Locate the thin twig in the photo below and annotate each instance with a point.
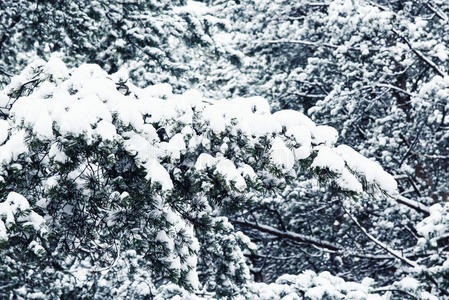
(420, 55)
(379, 243)
(290, 235)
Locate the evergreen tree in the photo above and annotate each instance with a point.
(157, 41)
(116, 181)
(118, 191)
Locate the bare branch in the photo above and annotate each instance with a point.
(317, 4)
(393, 252)
(440, 14)
(420, 55)
(2, 70)
(317, 44)
(310, 95)
(413, 204)
(117, 248)
(291, 235)
(300, 42)
(395, 88)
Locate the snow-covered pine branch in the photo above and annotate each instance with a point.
(148, 171)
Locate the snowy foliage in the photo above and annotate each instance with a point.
(205, 149)
(130, 174)
(158, 41)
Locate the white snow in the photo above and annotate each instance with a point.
(32, 112)
(34, 220)
(56, 67)
(408, 284)
(3, 233)
(251, 114)
(192, 278)
(163, 237)
(204, 161)
(175, 147)
(371, 170)
(313, 286)
(158, 90)
(14, 204)
(105, 130)
(281, 155)
(324, 134)
(227, 169)
(37, 249)
(302, 136)
(435, 226)
(192, 7)
(4, 128)
(157, 173)
(328, 158)
(56, 154)
(349, 182)
(247, 172)
(13, 147)
(289, 118)
(224, 167)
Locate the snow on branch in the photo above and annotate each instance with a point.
(290, 235)
(420, 55)
(394, 253)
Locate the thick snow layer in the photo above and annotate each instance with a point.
(247, 172)
(192, 278)
(105, 130)
(301, 134)
(158, 90)
(157, 173)
(14, 204)
(224, 167)
(324, 135)
(259, 125)
(3, 232)
(87, 104)
(164, 238)
(25, 110)
(289, 118)
(303, 138)
(227, 169)
(281, 155)
(371, 170)
(330, 159)
(435, 226)
(347, 181)
(56, 68)
(313, 286)
(204, 161)
(251, 114)
(230, 141)
(193, 7)
(13, 147)
(175, 147)
(408, 284)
